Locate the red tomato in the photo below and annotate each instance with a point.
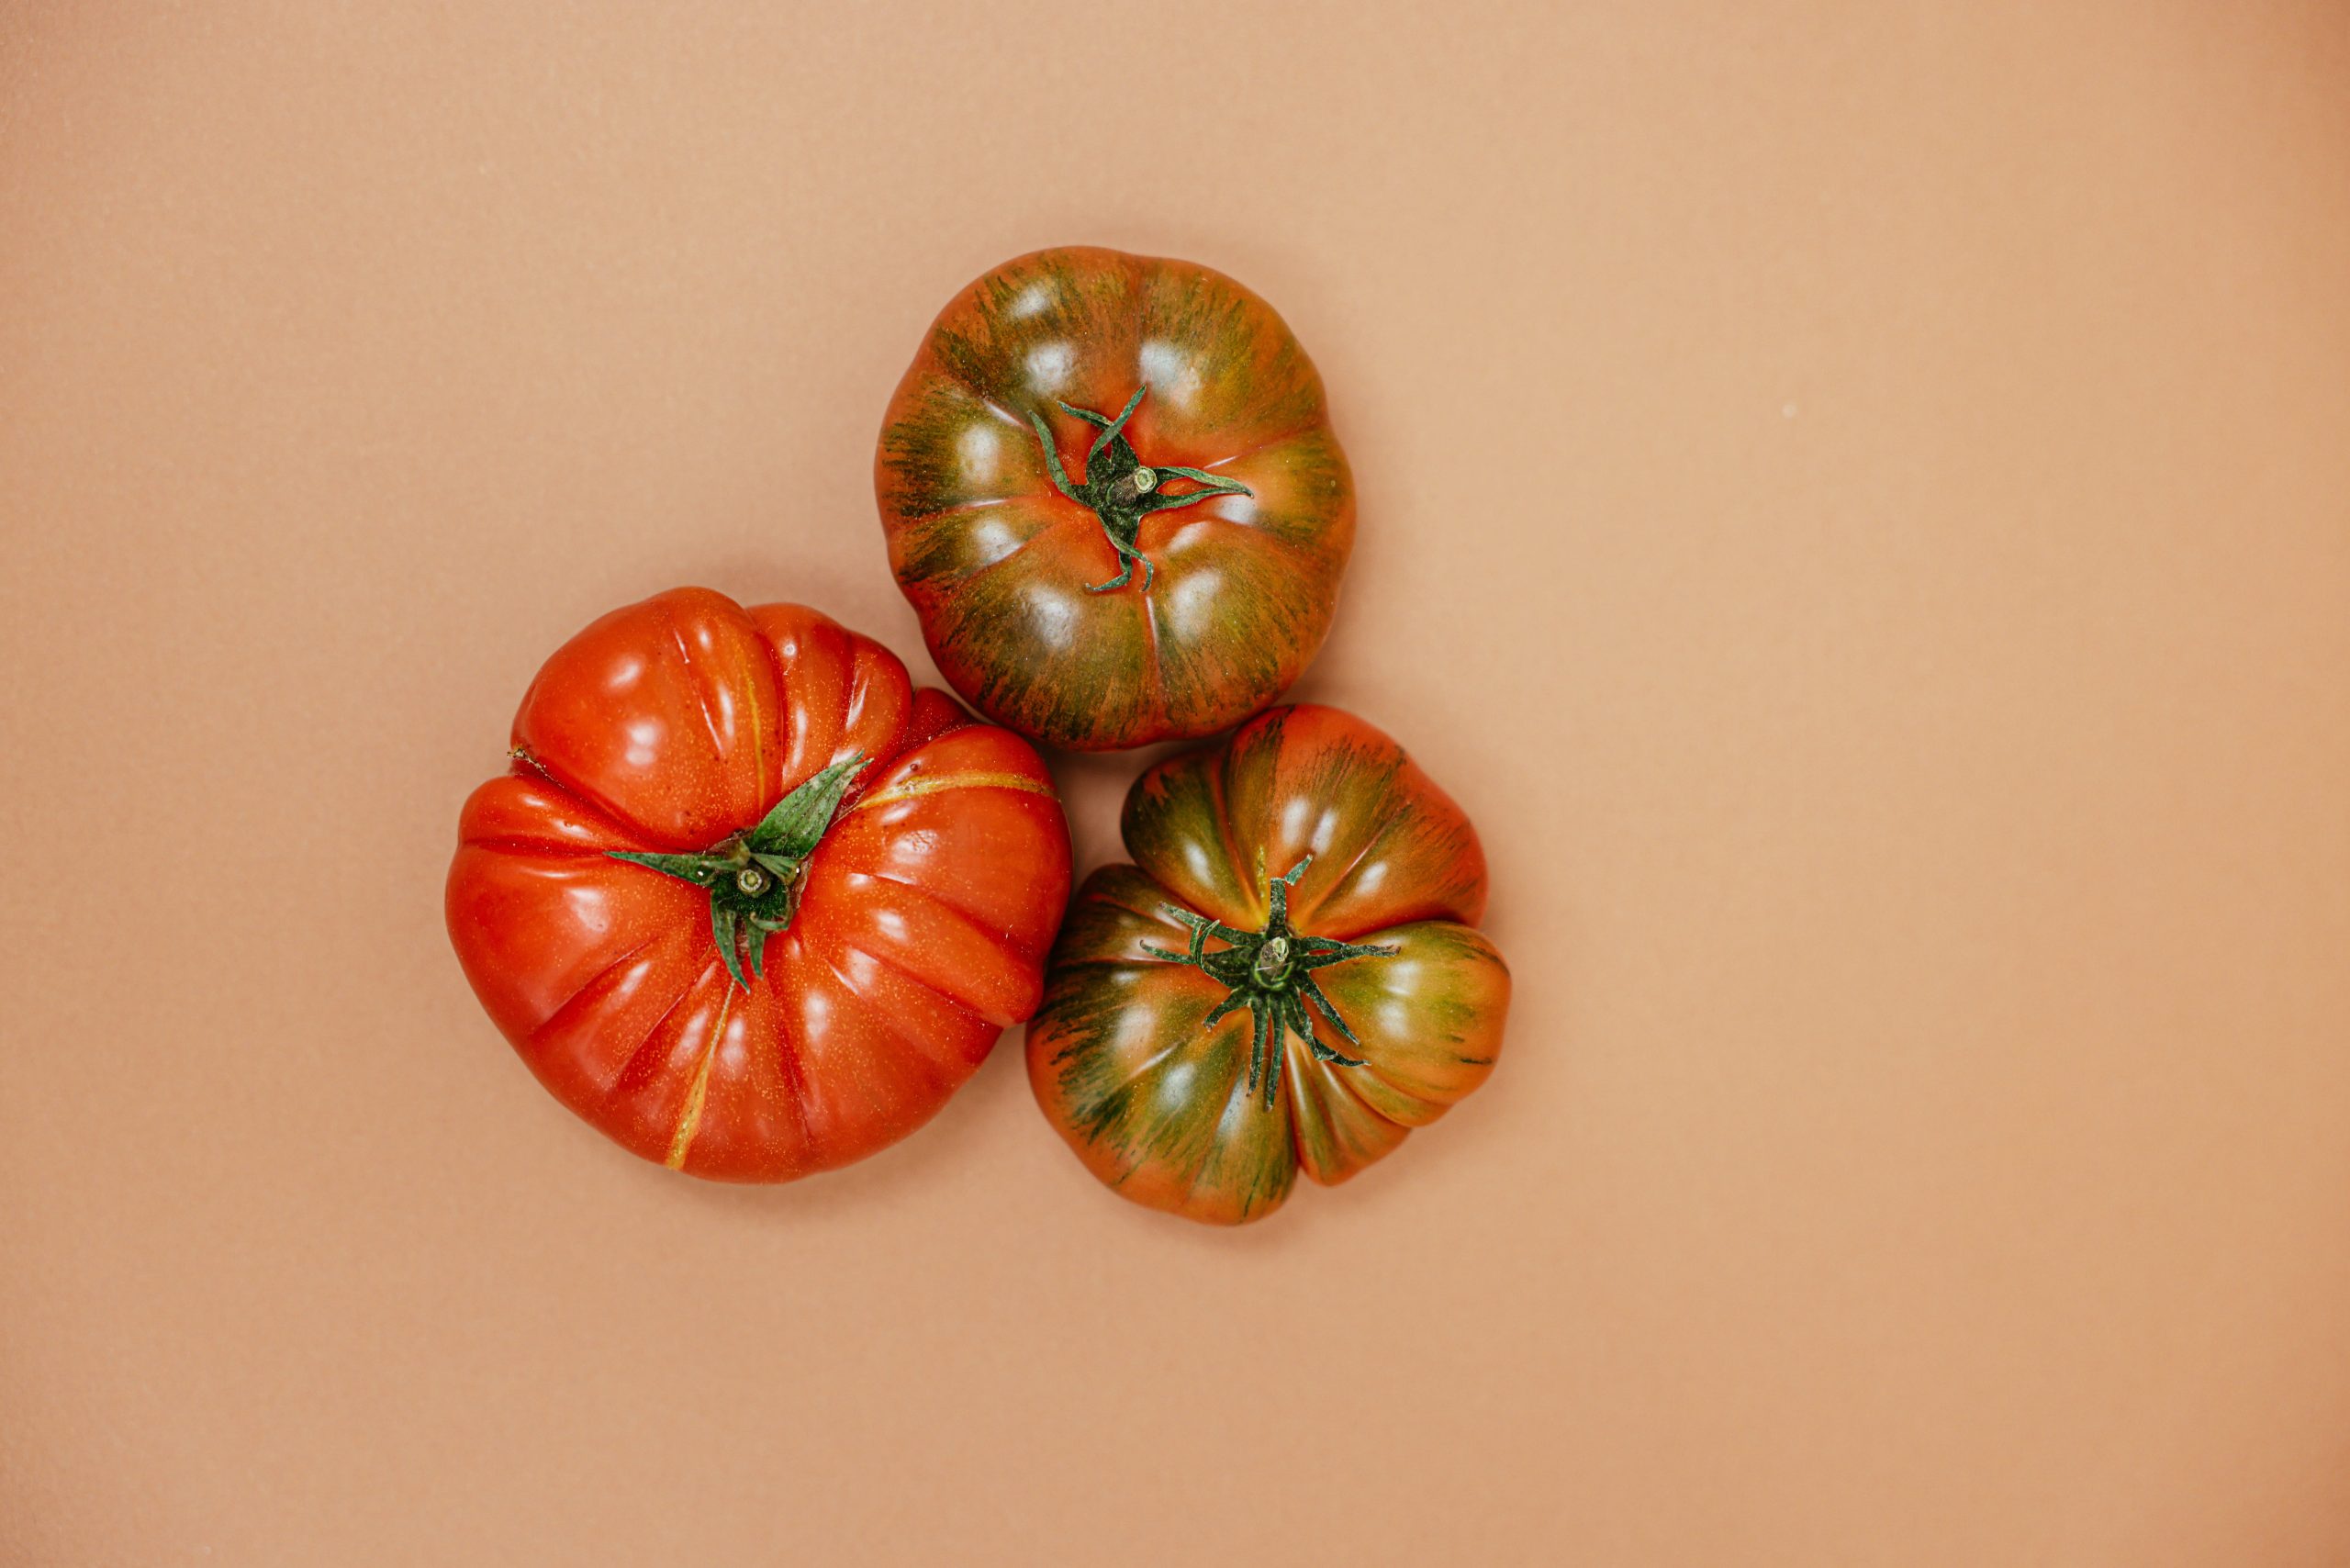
(747, 903)
(1288, 977)
(1112, 494)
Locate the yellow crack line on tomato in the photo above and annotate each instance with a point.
(758, 720)
(689, 1119)
(913, 789)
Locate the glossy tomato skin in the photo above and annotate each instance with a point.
(928, 909)
(998, 563)
(1157, 1103)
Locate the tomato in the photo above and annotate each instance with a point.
(1288, 977)
(746, 901)
(1112, 496)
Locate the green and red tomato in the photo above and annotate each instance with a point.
(1112, 495)
(1287, 977)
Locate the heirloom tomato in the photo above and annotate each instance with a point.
(1288, 977)
(746, 901)
(1112, 496)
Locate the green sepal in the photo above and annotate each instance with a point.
(694, 869)
(1222, 486)
(722, 928)
(1313, 993)
(793, 829)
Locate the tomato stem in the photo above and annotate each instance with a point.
(1120, 488)
(1271, 973)
(754, 878)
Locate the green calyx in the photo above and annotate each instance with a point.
(1121, 488)
(754, 877)
(1270, 972)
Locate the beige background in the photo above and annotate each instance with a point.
(1855, 500)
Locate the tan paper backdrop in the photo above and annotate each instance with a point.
(1855, 501)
